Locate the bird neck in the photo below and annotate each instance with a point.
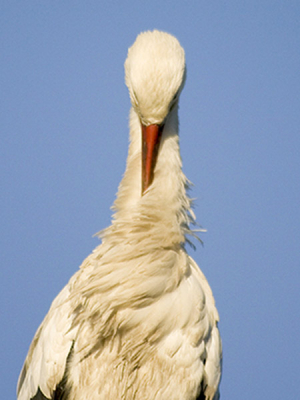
(161, 216)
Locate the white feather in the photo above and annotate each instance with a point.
(138, 320)
(46, 360)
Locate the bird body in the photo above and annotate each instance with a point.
(138, 320)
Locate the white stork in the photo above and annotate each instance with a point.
(138, 320)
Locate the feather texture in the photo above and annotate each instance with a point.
(138, 320)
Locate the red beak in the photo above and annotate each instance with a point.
(151, 136)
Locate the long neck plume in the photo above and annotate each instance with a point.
(163, 214)
(143, 248)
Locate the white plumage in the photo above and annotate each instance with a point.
(138, 320)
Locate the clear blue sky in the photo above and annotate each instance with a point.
(63, 144)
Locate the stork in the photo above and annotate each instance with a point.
(138, 320)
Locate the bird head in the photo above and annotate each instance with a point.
(154, 74)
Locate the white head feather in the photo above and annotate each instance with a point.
(154, 74)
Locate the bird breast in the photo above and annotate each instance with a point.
(152, 330)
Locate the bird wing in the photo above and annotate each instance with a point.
(213, 361)
(45, 365)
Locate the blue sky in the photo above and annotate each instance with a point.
(63, 144)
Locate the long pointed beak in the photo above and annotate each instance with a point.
(151, 136)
